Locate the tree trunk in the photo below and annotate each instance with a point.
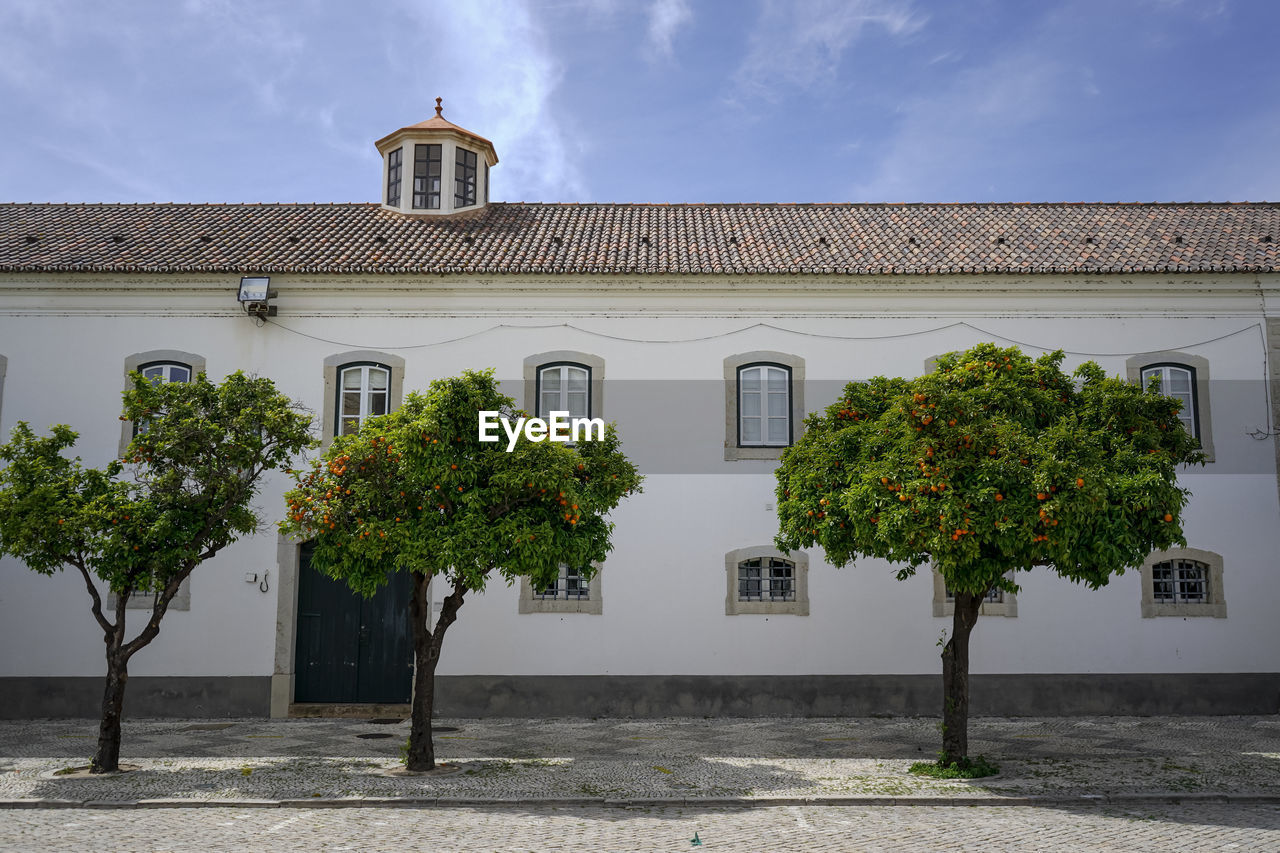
(426, 654)
(955, 679)
(422, 751)
(107, 758)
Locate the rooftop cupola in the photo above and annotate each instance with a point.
(435, 168)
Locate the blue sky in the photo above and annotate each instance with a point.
(647, 100)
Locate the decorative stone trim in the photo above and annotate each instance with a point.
(593, 605)
(732, 452)
(734, 607)
(563, 356)
(1204, 420)
(134, 362)
(1007, 606)
(1215, 604)
(395, 389)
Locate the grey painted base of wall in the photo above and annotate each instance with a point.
(1141, 694)
(145, 696)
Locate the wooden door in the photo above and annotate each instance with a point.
(351, 648)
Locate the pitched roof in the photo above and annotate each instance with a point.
(680, 239)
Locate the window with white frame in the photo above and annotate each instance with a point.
(358, 385)
(764, 404)
(1179, 382)
(166, 372)
(364, 393)
(1185, 377)
(762, 580)
(162, 372)
(162, 365)
(564, 388)
(1183, 582)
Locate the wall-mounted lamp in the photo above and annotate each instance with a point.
(255, 293)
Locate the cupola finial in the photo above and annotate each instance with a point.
(439, 109)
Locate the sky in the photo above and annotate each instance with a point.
(646, 100)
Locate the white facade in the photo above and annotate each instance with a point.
(663, 342)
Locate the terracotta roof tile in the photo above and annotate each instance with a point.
(683, 239)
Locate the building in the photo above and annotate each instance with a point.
(679, 322)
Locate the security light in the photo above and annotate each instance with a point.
(254, 288)
(255, 292)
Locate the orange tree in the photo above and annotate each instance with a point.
(416, 491)
(990, 465)
(141, 526)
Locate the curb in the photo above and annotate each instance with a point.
(652, 802)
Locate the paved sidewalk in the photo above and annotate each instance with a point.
(712, 762)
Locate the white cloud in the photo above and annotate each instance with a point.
(494, 67)
(666, 17)
(797, 43)
(971, 127)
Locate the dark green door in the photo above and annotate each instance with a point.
(351, 648)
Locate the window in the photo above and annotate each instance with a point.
(762, 580)
(393, 177)
(426, 177)
(1184, 377)
(364, 392)
(764, 411)
(764, 404)
(166, 372)
(162, 372)
(158, 366)
(996, 603)
(1179, 382)
(564, 388)
(1183, 582)
(571, 585)
(486, 181)
(569, 593)
(766, 579)
(357, 386)
(464, 179)
(564, 381)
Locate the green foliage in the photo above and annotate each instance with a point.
(182, 492)
(416, 490)
(991, 463)
(967, 768)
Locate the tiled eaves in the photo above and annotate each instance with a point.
(647, 239)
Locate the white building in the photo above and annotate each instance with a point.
(656, 317)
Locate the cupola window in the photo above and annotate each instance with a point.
(393, 177)
(464, 178)
(426, 177)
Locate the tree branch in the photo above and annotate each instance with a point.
(78, 562)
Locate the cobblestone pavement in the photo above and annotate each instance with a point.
(809, 828)
(1120, 759)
